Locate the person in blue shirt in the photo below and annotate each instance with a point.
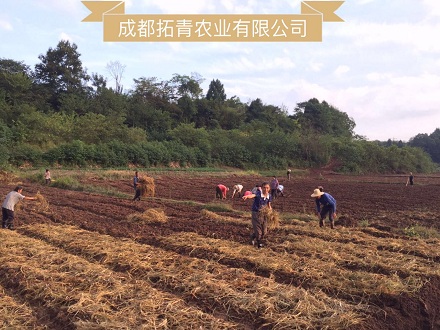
(328, 206)
(135, 180)
(262, 199)
(136, 186)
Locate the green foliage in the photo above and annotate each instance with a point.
(364, 223)
(187, 86)
(5, 134)
(44, 130)
(24, 154)
(67, 182)
(4, 155)
(421, 232)
(61, 73)
(429, 143)
(15, 82)
(316, 149)
(188, 135)
(216, 91)
(59, 115)
(324, 118)
(218, 207)
(96, 128)
(227, 149)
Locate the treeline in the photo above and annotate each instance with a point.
(57, 113)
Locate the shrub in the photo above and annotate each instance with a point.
(24, 153)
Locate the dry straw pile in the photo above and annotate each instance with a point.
(272, 217)
(42, 205)
(146, 186)
(148, 216)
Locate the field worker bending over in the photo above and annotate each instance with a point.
(262, 199)
(8, 206)
(237, 190)
(280, 190)
(220, 191)
(328, 206)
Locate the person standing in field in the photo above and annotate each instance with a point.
(256, 188)
(47, 177)
(136, 186)
(8, 206)
(274, 187)
(135, 180)
(237, 190)
(289, 173)
(262, 199)
(220, 191)
(410, 179)
(328, 206)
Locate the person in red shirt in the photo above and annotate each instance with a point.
(220, 191)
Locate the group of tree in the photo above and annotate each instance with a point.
(58, 113)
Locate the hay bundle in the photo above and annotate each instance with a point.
(211, 215)
(146, 186)
(42, 205)
(148, 216)
(272, 217)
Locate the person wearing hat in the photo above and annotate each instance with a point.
(8, 206)
(328, 206)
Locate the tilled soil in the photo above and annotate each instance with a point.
(381, 203)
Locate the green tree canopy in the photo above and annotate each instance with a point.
(216, 91)
(61, 72)
(324, 118)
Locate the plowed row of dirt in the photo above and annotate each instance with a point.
(365, 274)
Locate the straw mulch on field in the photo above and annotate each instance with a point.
(236, 292)
(148, 216)
(86, 295)
(16, 314)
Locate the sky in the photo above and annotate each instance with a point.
(381, 65)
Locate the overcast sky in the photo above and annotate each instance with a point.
(381, 66)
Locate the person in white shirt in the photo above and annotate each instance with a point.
(237, 190)
(280, 190)
(8, 206)
(47, 177)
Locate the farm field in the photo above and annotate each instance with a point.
(84, 264)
